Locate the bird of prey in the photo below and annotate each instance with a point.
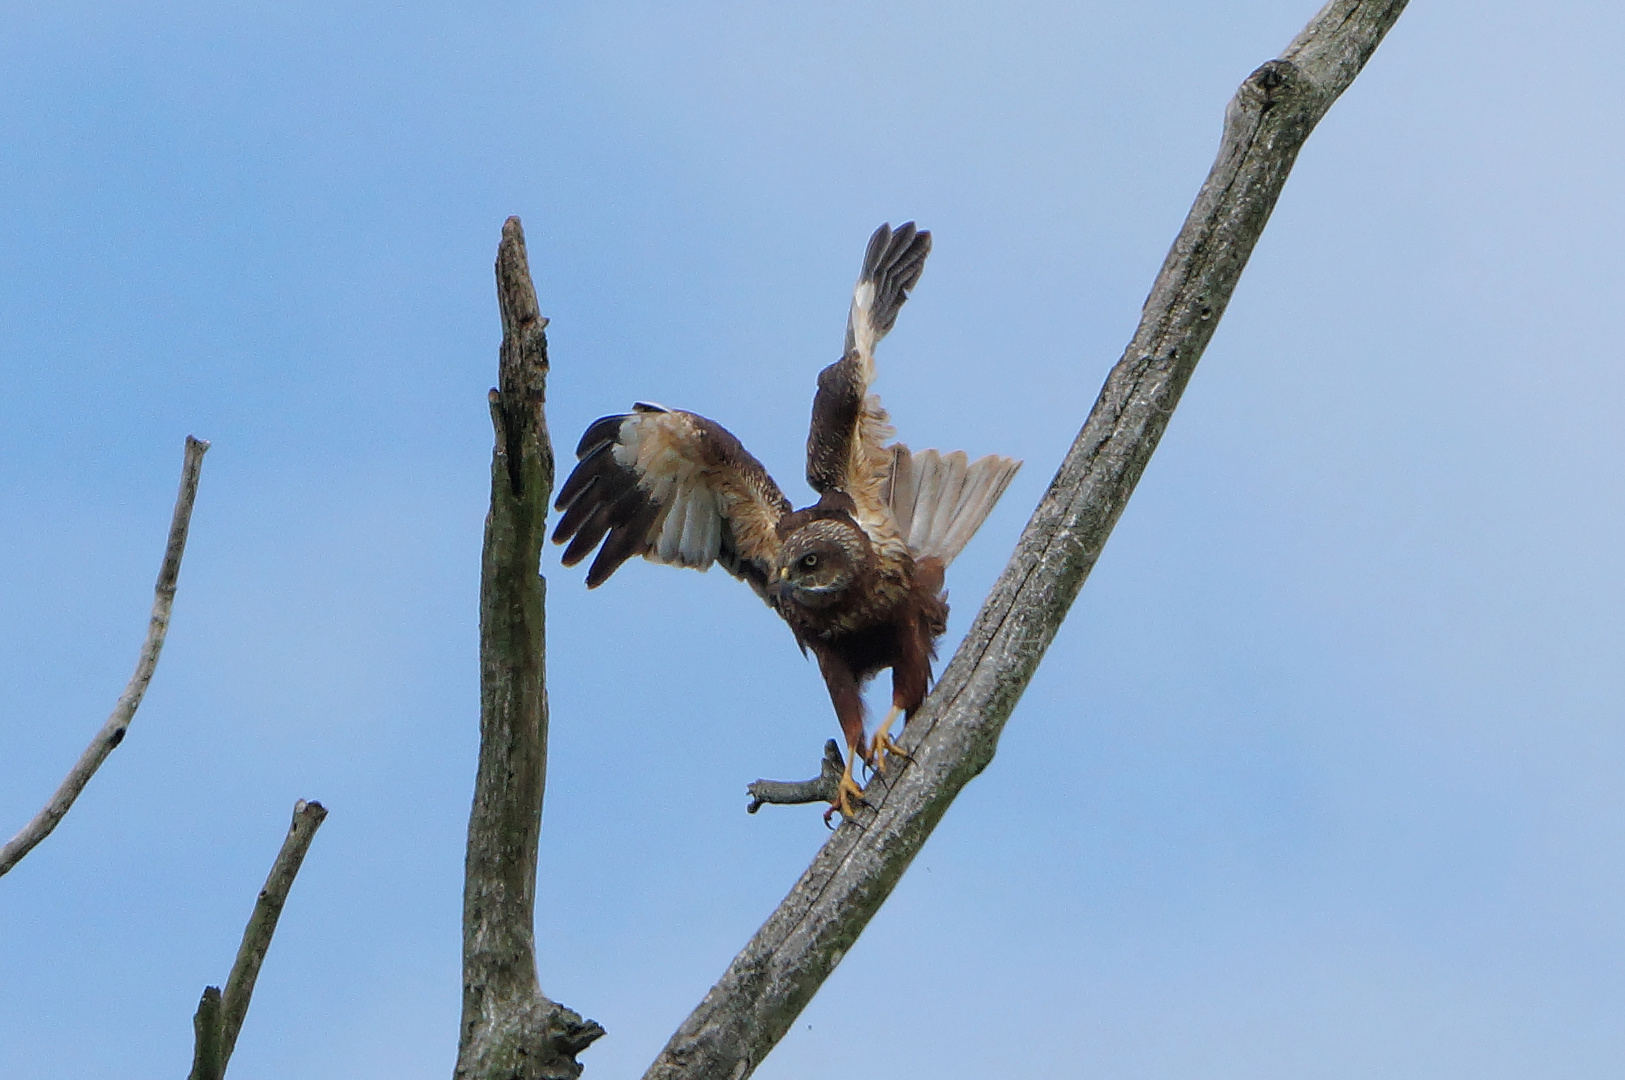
(858, 575)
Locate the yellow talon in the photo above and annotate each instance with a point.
(847, 794)
(883, 746)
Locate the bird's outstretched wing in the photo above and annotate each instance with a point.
(673, 487)
(846, 449)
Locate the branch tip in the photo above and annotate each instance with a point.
(117, 725)
(308, 816)
(207, 1063)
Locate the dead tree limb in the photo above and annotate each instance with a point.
(245, 970)
(220, 1014)
(510, 1029)
(821, 788)
(206, 1061)
(112, 732)
(954, 736)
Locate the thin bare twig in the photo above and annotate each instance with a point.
(112, 732)
(220, 1015)
(510, 1029)
(307, 818)
(954, 735)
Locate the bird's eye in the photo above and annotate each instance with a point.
(809, 561)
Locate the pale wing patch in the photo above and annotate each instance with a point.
(898, 491)
(870, 461)
(662, 449)
(940, 500)
(862, 329)
(692, 533)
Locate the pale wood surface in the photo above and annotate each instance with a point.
(118, 723)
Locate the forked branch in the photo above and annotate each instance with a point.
(821, 788)
(112, 732)
(220, 1014)
(954, 735)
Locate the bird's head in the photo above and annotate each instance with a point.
(819, 562)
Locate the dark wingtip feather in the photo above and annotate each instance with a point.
(586, 538)
(894, 261)
(575, 514)
(603, 431)
(584, 474)
(878, 240)
(628, 538)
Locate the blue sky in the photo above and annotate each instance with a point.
(1320, 778)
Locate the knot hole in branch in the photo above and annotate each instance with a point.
(1272, 83)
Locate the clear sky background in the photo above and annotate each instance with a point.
(1324, 776)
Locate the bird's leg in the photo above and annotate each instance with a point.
(848, 702)
(847, 794)
(883, 745)
(911, 670)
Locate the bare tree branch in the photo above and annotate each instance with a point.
(207, 1063)
(112, 732)
(821, 788)
(219, 1016)
(307, 818)
(510, 1029)
(955, 734)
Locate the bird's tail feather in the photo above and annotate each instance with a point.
(940, 500)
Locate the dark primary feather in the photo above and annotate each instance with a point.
(613, 498)
(585, 475)
(628, 537)
(894, 261)
(600, 433)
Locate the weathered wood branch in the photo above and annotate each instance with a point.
(112, 732)
(821, 788)
(245, 970)
(510, 1029)
(220, 1015)
(207, 1063)
(954, 735)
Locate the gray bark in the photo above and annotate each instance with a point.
(245, 970)
(954, 735)
(206, 1060)
(219, 1016)
(510, 1029)
(113, 731)
(821, 788)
